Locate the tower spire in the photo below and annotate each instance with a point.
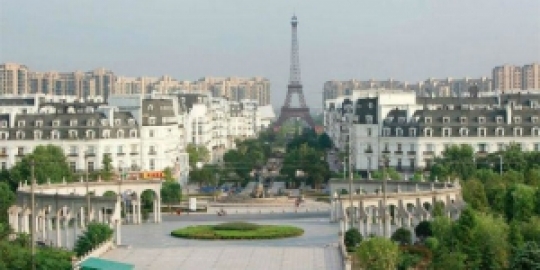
(294, 76)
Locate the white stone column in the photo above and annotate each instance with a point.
(155, 212)
(66, 232)
(58, 235)
(139, 205)
(43, 226)
(361, 226)
(369, 220)
(332, 210)
(26, 223)
(133, 213)
(15, 222)
(159, 210)
(379, 226)
(83, 217)
(387, 223)
(118, 232)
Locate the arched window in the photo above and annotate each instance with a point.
(463, 132)
(150, 107)
(106, 134)
(55, 135)
(90, 134)
(73, 134)
(20, 135)
(428, 132)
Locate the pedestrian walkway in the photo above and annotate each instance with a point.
(151, 247)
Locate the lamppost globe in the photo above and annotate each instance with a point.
(199, 165)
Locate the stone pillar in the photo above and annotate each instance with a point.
(118, 225)
(83, 217)
(26, 223)
(332, 210)
(159, 210)
(66, 232)
(15, 222)
(139, 205)
(100, 216)
(361, 226)
(379, 226)
(43, 226)
(387, 224)
(155, 210)
(133, 213)
(58, 236)
(369, 220)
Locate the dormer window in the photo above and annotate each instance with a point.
(20, 123)
(133, 133)
(104, 122)
(90, 134)
(73, 134)
(369, 119)
(37, 134)
(131, 122)
(428, 132)
(447, 132)
(106, 134)
(150, 107)
(535, 131)
(120, 134)
(55, 135)
(19, 135)
(399, 132)
(412, 132)
(117, 122)
(463, 132)
(56, 123)
(39, 123)
(3, 124)
(517, 119)
(518, 132)
(73, 123)
(427, 120)
(499, 119)
(386, 132)
(534, 119)
(499, 131)
(402, 120)
(463, 119)
(446, 119)
(481, 119)
(90, 122)
(151, 120)
(4, 135)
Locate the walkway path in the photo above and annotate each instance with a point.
(153, 248)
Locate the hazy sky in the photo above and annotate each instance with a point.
(405, 40)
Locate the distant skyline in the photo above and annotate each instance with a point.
(340, 40)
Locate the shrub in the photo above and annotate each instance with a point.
(352, 239)
(95, 234)
(237, 230)
(236, 226)
(402, 236)
(432, 243)
(423, 229)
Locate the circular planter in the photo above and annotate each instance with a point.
(237, 231)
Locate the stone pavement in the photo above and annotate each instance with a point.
(151, 247)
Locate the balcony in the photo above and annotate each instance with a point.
(4, 154)
(411, 153)
(399, 152)
(134, 153)
(368, 151)
(386, 151)
(152, 152)
(89, 154)
(73, 154)
(428, 153)
(482, 153)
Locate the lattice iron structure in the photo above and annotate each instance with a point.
(295, 86)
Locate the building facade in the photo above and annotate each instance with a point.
(13, 79)
(510, 78)
(399, 129)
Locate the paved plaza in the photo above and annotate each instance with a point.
(151, 246)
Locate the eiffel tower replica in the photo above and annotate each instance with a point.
(294, 87)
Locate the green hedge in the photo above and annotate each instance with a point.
(236, 231)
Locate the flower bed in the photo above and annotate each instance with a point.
(237, 231)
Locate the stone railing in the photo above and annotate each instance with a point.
(96, 252)
(342, 249)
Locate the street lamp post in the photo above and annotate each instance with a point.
(500, 164)
(351, 206)
(33, 221)
(87, 190)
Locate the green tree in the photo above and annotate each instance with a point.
(95, 234)
(450, 261)
(168, 175)
(496, 194)
(171, 193)
(464, 233)
(402, 236)
(378, 253)
(107, 170)
(532, 177)
(491, 241)
(352, 239)
(7, 198)
(197, 154)
(423, 229)
(50, 163)
(474, 194)
(520, 202)
(456, 161)
(526, 257)
(386, 173)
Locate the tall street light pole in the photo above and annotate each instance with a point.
(500, 164)
(87, 190)
(33, 221)
(351, 128)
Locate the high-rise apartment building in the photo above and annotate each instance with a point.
(99, 82)
(507, 78)
(531, 76)
(13, 79)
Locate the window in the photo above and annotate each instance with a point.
(399, 163)
(447, 132)
(106, 134)
(120, 149)
(20, 123)
(55, 135)
(412, 147)
(133, 133)
(464, 132)
(518, 132)
(481, 132)
(90, 166)
(369, 119)
(429, 147)
(481, 119)
(3, 124)
(534, 119)
(427, 120)
(151, 120)
(151, 133)
(428, 132)
(399, 147)
(73, 134)
(20, 135)
(73, 123)
(150, 107)
(537, 147)
(73, 166)
(535, 131)
(120, 134)
(499, 119)
(412, 132)
(399, 132)
(20, 151)
(446, 119)
(500, 147)
(117, 122)
(56, 123)
(386, 146)
(39, 123)
(386, 132)
(131, 122)
(152, 149)
(90, 122)
(499, 131)
(91, 149)
(37, 134)
(3, 151)
(482, 147)
(517, 119)
(73, 150)
(4, 135)
(152, 164)
(463, 119)
(90, 134)
(4, 166)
